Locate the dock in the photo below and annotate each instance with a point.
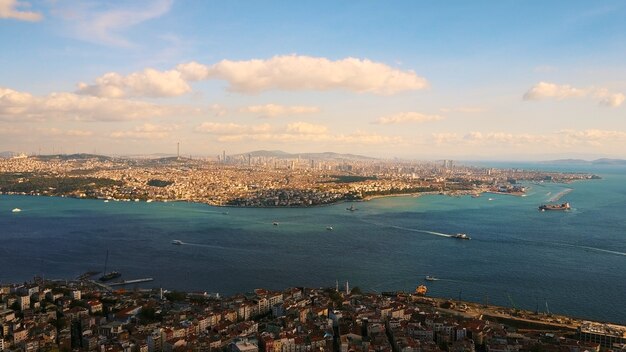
(128, 282)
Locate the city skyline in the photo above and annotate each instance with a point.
(485, 80)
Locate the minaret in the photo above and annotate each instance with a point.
(337, 285)
(347, 288)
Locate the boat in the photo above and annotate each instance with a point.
(352, 208)
(329, 228)
(490, 199)
(106, 200)
(16, 210)
(431, 278)
(110, 275)
(275, 223)
(476, 195)
(564, 206)
(177, 242)
(461, 236)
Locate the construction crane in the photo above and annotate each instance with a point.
(512, 303)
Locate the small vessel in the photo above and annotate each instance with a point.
(177, 242)
(224, 213)
(110, 275)
(149, 201)
(431, 278)
(490, 199)
(461, 236)
(329, 228)
(352, 208)
(476, 195)
(564, 206)
(16, 210)
(106, 200)
(275, 223)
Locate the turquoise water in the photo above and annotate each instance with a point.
(575, 261)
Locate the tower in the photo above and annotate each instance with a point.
(347, 288)
(177, 150)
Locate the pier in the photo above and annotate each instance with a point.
(128, 282)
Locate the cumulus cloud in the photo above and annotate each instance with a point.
(306, 128)
(193, 71)
(145, 131)
(559, 140)
(64, 133)
(289, 73)
(294, 72)
(21, 106)
(545, 90)
(274, 110)
(404, 117)
(10, 9)
(297, 132)
(232, 128)
(147, 83)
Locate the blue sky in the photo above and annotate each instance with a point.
(412, 79)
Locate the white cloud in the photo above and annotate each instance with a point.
(274, 110)
(145, 131)
(9, 9)
(193, 71)
(297, 132)
(560, 140)
(464, 109)
(21, 106)
(404, 117)
(306, 128)
(232, 128)
(289, 73)
(64, 133)
(545, 90)
(148, 83)
(104, 22)
(612, 100)
(294, 72)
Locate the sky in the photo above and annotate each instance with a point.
(479, 80)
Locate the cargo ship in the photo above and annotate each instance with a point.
(564, 206)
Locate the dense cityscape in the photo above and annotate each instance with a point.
(85, 315)
(256, 182)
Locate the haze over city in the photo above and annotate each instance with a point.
(480, 80)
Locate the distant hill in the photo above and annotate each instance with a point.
(602, 161)
(279, 154)
(80, 156)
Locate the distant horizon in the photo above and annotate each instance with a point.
(501, 80)
(408, 159)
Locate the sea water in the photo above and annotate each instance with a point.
(570, 262)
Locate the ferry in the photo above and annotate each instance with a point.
(431, 278)
(177, 242)
(461, 236)
(564, 206)
(16, 210)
